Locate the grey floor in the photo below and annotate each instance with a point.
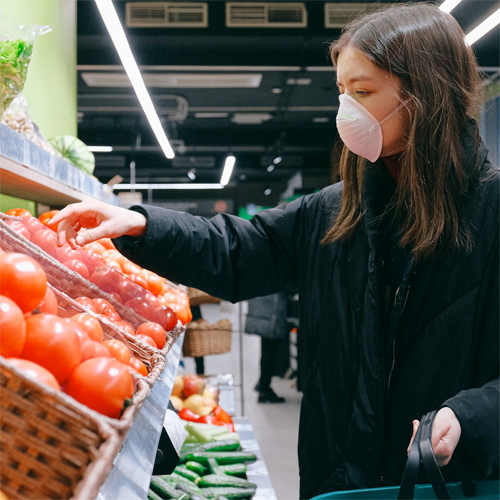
(275, 426)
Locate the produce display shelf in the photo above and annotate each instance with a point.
(29, 172)
(133, 466)
(257, 471)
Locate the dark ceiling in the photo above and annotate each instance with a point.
(291, 107)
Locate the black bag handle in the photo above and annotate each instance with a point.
(421, 452)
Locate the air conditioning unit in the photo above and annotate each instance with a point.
(337, 15)
(265, 15)
(166, 15)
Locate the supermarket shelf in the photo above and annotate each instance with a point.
(29, 172)
(257, 472)
(133, 466)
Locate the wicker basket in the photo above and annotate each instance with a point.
(202, 338)
(72, 284)
(197, 297)
(51, 446)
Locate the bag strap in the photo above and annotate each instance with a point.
(421, 452)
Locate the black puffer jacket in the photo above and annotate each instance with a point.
(363, 384)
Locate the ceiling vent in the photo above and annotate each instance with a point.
(265, 15)
(166, 15)
(337, 15)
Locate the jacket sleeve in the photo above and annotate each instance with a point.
(225, 256)
(478, 408)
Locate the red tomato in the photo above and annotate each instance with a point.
(66, 253)
(36, 372)
(49, 303)
(52, 343)
(153, 300)
(88, 350)
(118, 350)
(182, 313)
(155, 283)
(46, 216)
(107, 243)
(46, 239)
(90, 324)
(86, 303)
(142, 307)
(138, 366)
(83, 336)
(155, 331)
(19, 212)
(23, 280)
(106, 278)
(78, 266)
(129, 290)
(32, 224)
(91, 260)
(116, 297)
(12, 328)
(125, 325)
(101, 351)
(148, 340)
(102, 384)
(102, 306)
(19, 227)
(131, 268)
(95, 247)
(139, 280)
(171, 319)
(160, 316)
(112, 316)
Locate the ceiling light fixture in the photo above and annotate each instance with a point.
(267, 192)
(270, 168)
(100, 149)
(487, 25)
(115, 29)
(277, 160)
(192, 174)
(448, 5)
(228, 170)
(168, 186)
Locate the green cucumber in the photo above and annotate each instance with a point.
(213, 466)
(223, 458)
(229, 493)
(153, 496)
(196, 467)
(224, 480)
(186, 449)
(234, 469)
(225, 445)
(183, 471)
(165, 489)
(192, 490)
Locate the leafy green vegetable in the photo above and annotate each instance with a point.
(15, 56)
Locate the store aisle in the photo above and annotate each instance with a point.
(275, 425)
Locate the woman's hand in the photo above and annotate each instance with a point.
(446, 433)
(101, 221)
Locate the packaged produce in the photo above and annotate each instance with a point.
(16, 49)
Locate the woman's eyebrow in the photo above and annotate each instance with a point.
(358, 78)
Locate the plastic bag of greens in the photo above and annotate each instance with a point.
(16, 48)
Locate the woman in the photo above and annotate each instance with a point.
(397, 266)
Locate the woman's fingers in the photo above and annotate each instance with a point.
(416, 423)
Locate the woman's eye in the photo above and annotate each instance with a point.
(361, 93)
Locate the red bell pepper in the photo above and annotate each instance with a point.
(207, 419)
(188, 415)
(221, 415)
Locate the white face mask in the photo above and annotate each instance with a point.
(359, 129)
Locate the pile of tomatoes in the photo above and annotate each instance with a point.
(100, 262)
(67, 354)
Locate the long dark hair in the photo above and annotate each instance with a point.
(425, 48)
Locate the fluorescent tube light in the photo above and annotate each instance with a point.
(487, 25)
(168, 186)
(228, 170)
(115, 29)
(100, 149)
(448, 5)
(277, 160)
